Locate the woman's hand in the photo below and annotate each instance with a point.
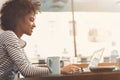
(70, 69)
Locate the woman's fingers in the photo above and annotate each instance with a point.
(71, 69)
(75, 69)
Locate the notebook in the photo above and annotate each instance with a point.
(95, 59)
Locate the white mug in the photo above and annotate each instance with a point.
(118, 63)
(54, 65)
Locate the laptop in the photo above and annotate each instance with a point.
(95, 59)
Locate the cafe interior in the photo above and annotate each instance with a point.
(76, 31)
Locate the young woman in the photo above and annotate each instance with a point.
(17, 18)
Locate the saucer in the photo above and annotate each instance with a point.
(102, 69)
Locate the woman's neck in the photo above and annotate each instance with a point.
(18, 33)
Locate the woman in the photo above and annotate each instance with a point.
(17, 18)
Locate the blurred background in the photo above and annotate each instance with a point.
(69, 28)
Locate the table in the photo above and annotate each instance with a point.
(114, 75)
(84, 65)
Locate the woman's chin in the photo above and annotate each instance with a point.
(29, 34)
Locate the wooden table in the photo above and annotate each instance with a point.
(82, 76)
(84, 65)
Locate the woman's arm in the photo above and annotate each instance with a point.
(17, 55)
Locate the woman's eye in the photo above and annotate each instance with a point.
(32, 19)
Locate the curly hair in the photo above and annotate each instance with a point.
(14, 10)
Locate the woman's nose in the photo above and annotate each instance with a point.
(34, 25)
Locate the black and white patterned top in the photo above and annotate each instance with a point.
(13, 58)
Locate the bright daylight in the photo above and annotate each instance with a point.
(59, 39)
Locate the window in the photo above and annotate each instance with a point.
(96, 27)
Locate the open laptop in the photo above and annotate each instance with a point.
(95, 59)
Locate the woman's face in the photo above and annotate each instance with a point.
(27, 25)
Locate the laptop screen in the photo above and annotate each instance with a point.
(96, 57)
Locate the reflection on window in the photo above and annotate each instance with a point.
(80, 5)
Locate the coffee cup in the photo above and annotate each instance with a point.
(53, 64)
(118, 63)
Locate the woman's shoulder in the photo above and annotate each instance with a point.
(7, 31)
(8, 37)
(8, 34)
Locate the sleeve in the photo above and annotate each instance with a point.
(17, 56)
